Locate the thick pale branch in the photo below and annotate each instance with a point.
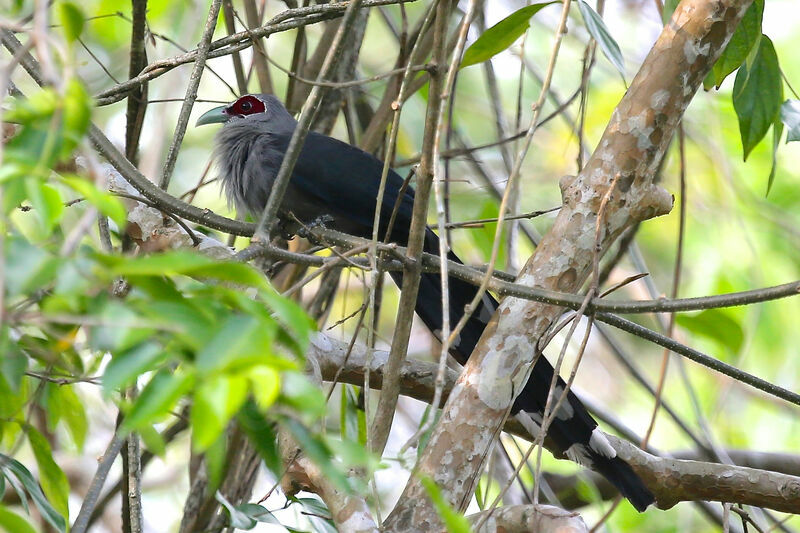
(628, 155)
(349, 512)
(671, 480)
(524, 518)
(676, 480)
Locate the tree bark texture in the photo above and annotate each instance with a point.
(621, 170)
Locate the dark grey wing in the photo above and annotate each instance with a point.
(346, 180)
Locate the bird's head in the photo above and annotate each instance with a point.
(262, 108)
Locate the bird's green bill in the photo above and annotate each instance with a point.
(213, 116)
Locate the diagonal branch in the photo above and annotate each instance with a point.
(629, 153)
(191, 93)
(769, 480)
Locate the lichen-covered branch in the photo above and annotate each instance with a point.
(676, 480)
(628, 154)
(767, 480)
(349, 511)
(524, 518)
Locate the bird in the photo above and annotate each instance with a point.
(338, 182)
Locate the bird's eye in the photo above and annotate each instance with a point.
(247, 105)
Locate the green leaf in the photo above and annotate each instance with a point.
(72, 20)
(216, 401)
(356, 417)
(77, 115)
(501, 35)
(157, 398)
(119, 327)
(47, 204)
(14, 523)
(669, 9)
(19, 489)
(13, 362)
(14, 187)
(483, 237)
(598, 30)
(313, 506)
(790, 115)
(216, 458)
(717, 325)
(53, 125)
(299, 392)
(238, 519)
(11, 402)
(454, 521)
(777, 132)
(258, 513)
(107, 204)
(190, 322)
(261, 433)
(348, 413)
(126, 367)
(318, 514)
(166, 264)
(353, 454)
(316, 450)
(265, 383)
(153, 440)
(38, 105)
(757, 95)
(12, 466)
(186, 263)
(426, 436)
(744, 38)
(54, 482)
(63, 402)
(28, 267)
(295, 321)
(240, 341)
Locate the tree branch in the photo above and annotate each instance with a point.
(676, 480)
(525, 518)
(191, 93)
(628, 154)
(671, 480)
(104, 466)
(302, 16)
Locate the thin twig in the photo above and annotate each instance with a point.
(351, 83)
(378, 432)
(191, 93)
(268, 216)
(286, 20)
(481, 221)
(230, 26)
(442, 132)
(89, 501)
(676, 277)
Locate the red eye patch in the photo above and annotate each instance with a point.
(246, 105)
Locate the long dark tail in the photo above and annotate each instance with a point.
(572, 430)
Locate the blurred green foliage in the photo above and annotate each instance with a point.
(188, 329)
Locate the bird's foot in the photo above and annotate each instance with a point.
(283, 229)
(306, 231)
